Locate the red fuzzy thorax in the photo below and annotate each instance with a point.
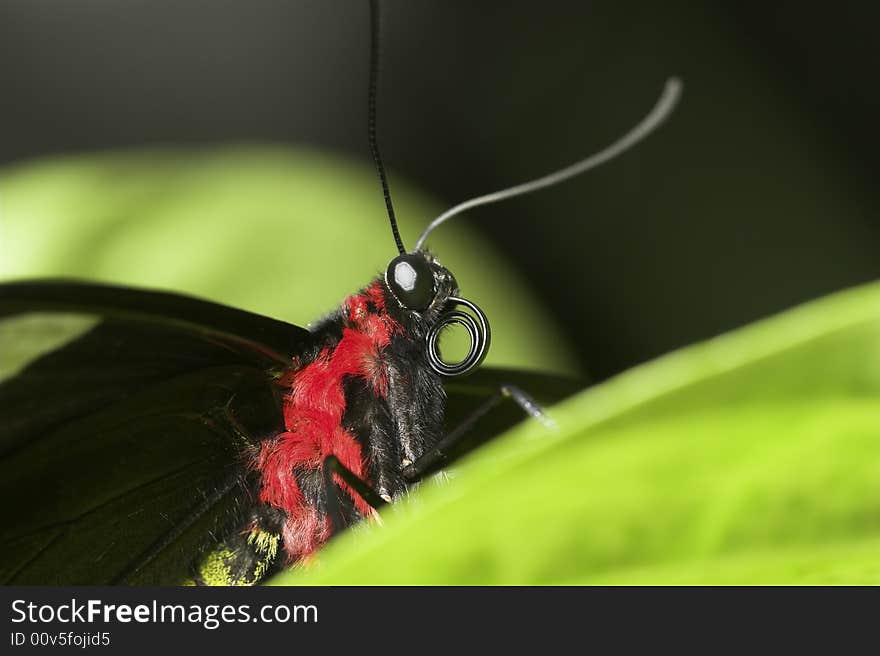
(314, 405)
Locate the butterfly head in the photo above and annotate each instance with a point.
(419, 283)
(427, 291)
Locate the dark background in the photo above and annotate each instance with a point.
(758, 195)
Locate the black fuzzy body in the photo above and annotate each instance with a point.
(394, 415)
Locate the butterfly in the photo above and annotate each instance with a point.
(159, 438)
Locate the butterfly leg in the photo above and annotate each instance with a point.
(430, 461)
(332, 465)
(436, 457)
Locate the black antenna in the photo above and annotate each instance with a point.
(371, 129)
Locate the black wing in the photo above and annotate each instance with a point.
(119, 448)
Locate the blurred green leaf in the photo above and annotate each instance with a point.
(752, 458)
(285, 233)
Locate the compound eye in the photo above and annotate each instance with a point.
(411, 281)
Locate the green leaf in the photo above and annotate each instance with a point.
(751, 458)
(280, 232)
